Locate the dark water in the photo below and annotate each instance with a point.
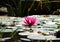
(35, 10)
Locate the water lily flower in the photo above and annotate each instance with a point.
(29, 20)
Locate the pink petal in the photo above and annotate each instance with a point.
(30, 20)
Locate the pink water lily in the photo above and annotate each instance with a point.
(30, 21)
